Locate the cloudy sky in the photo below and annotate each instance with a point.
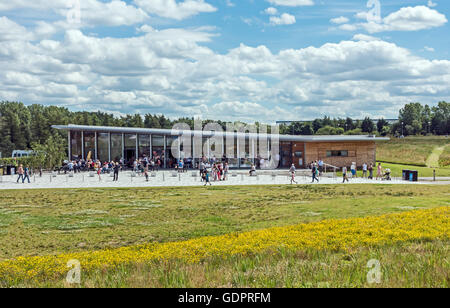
(247, 60)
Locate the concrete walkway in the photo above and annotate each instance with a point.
(171, 179)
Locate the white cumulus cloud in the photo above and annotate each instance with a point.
(284, 19)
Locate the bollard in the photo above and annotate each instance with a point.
(83, 178)
(164, 177)
(434, 175)
(179, 177)
(50, 178)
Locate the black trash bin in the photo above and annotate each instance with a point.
(406, 174)
(414, 176)
(11, 170)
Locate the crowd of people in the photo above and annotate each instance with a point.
(211, 170)
(218, 171)
(317, 168)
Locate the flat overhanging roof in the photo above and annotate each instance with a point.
(209, 134)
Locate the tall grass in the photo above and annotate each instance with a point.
(444, 159)
(412, 264)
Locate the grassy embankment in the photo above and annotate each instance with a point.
(423, 154)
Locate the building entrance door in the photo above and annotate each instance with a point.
(286, 154)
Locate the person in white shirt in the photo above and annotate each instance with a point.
(365, 170)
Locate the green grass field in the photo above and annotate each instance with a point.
(409, 151)
(48, 222)
(58, 221)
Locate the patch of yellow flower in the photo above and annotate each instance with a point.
(328, 234)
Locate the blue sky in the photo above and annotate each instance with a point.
(243, 60)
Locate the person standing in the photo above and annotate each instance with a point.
(225, 172)
(292, 171)
(116, 172)
(353, 169)
(20, 173)
(321, 163)
(365, 170)
(344, 175)
(145, 165)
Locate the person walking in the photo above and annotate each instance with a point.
(292, 171)
(371, 172)
(26, 175)
(379, 172)
(145, 165)
(344, 175)
(315, 171)
(207, 178)
(116, 172)
(20, 173)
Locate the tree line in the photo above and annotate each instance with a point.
(26, 127)
(413, 119)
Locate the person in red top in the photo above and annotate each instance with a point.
(20, 173)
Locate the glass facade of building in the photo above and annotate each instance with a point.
(238, 152)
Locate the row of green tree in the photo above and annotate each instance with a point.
(26, 127)
(414, 119)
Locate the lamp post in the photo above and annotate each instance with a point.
(402, 129)
(429, 127)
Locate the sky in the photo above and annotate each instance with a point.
(230, 60)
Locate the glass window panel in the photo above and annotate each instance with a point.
(144, 146)
(75, 143)
(102, 145)
(158, 149)
(130, 148)
(116, 147)
(171, 161)
(89, 145)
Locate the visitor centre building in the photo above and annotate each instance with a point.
(240, 149)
